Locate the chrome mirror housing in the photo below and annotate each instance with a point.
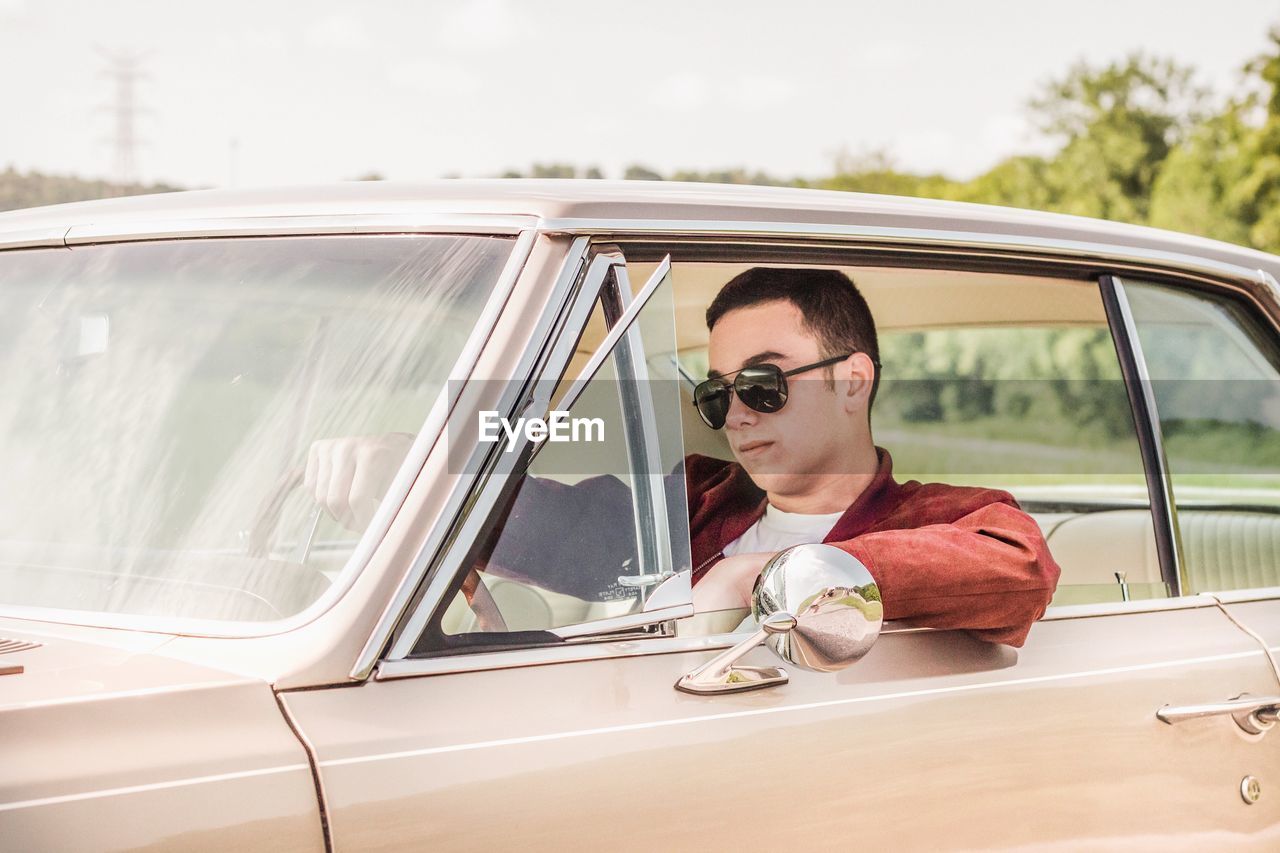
(818, 608)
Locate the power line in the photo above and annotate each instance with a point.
(125, 70)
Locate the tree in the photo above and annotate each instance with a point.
(1117, 124)
(636, 172)
(1224, 180)
(1259, 192)
(32, 189)
(1197, 191)
(1013, 182)
(875, 172)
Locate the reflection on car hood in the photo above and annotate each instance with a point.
(63, 669)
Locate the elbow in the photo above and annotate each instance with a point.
(1022, 605)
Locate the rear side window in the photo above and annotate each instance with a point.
(1001, 381)
(1215, 371)
(1013, 382)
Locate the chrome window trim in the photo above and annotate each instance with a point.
(593, 287)
(618, 624)
(1120, 608)
(1255, 284)
(1150, 435)
(483, 486)
(145, 230)
(573, 268)
(1238, 596)
(428, 435)
(607, 268)
(35, 238)
(294, 226)
(923, 237)
(623, 342)
(569, 652)
(651, 493)
(588, 650)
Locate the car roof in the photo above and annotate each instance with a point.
(571, 204)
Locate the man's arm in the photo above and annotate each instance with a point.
(575, 539)
(989, 572)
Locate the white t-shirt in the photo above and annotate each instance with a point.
(777, 530)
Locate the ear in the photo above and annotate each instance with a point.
(859, 373)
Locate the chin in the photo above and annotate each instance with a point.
(773, 479)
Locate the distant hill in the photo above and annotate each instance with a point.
(33, 189)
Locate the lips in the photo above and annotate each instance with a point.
(752, 447)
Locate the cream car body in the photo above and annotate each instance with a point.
(322, 731)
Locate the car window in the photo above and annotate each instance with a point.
(591, 529)
(1001, 381)
(162, 398)
(1215, 371)
(1039, 409)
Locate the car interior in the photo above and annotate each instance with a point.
(1097, 523)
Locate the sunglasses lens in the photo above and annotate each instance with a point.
(763, 389)
(712, 400)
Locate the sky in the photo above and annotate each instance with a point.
(272, 92)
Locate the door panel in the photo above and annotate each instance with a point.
(1261, 617)
(933, 739)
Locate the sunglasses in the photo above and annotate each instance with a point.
(760, 387)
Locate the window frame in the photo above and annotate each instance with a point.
(519, 230)
(1172, 561)
(787, 242)
(1146, 419)
(597, 281)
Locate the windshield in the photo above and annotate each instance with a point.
(158, 401)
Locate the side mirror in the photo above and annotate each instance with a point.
(818, 608)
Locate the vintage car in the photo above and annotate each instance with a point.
(194, 654)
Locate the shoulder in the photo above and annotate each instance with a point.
(706, 470)
(947, 502)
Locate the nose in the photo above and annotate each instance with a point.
(740, 415)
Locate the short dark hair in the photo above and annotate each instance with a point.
(830, 306)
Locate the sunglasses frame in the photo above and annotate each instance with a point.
(735, 388)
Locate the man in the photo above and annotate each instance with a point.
(944, 556)
(793, 374)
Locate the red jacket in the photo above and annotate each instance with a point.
(943, 556)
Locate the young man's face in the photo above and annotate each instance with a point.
(817, 430)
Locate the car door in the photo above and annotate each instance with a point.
(552, 722)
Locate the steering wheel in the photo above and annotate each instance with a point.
(267, 516)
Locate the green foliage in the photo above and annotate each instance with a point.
(1199, 187)
(1014, 182)
(875, 172)
(1117, 124)
(555, 170)
(1224, 180)
(1137, 144)
(33, 189)
(636, 172)
(954, 376)
(735, 176)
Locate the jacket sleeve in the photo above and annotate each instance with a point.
(576, 539)
(989, 571)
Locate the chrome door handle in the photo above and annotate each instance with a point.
(1254, 714)
(635, 581)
